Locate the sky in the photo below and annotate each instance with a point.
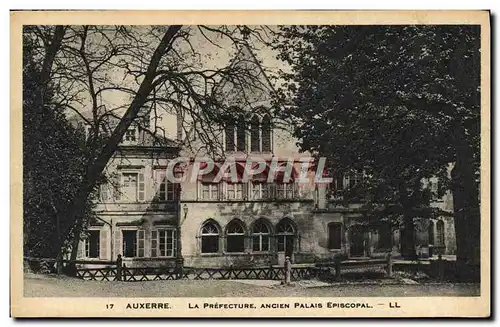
(208, 56)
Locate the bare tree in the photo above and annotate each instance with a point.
(145, 71)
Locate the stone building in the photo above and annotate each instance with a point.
(232, 222)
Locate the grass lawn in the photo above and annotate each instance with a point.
(54, 286)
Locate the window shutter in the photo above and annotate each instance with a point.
(103, 244)
(141, 186)
(154, 243)
(174, 239)
(81, 249)
(140, 243)
(117, 185)
(117, 246)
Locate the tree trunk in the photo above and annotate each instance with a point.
(75, 211)
(459, 218)
(408, 250)
(466, 208)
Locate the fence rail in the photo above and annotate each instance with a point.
(115, 270)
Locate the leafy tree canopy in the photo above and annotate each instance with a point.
(394, 102)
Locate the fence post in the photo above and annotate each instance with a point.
(389, 265)
(338, 267)
(119, 267)
(288, 271)
(440, 267)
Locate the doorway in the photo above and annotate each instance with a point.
(357, 241)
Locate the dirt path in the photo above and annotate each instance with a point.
(37, 286)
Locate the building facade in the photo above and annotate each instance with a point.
(234, 222)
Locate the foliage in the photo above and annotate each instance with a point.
(394, 102)
(53, 158)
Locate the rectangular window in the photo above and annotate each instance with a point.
(234, 191)
(104, 192)
(241, 137)
(209, 244)
(261, 191)
(170, 191)
(229, 131)
(334, 236)
(129, 238)
(285, 190)
(129, 187)
(260, 243)
(281, 243)
(352, 179)
(130, 135)
(235, 243)
(92, 243)
(164, 190)
(434, 190)
(163, 243)
(209, 191)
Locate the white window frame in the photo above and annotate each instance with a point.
(285, 234)
(122, 185)
(155, 242)
(136, 136)
(260, 235)
(160, 177)
(237, 188)
(288, 190)
(137, 239)
(212, 187)
(259, 188)
(105, 193)
(86, 245)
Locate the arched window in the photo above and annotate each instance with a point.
(235, 236)
(210, 234)
(431, 232)
(260, 236)
(266, 134)
(285, 232)
(229, 137)
(241, 136)
(255, 134)
(440, 233)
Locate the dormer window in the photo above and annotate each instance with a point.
(130, 135)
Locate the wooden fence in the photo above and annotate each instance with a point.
(337, 267)
(118, 271)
